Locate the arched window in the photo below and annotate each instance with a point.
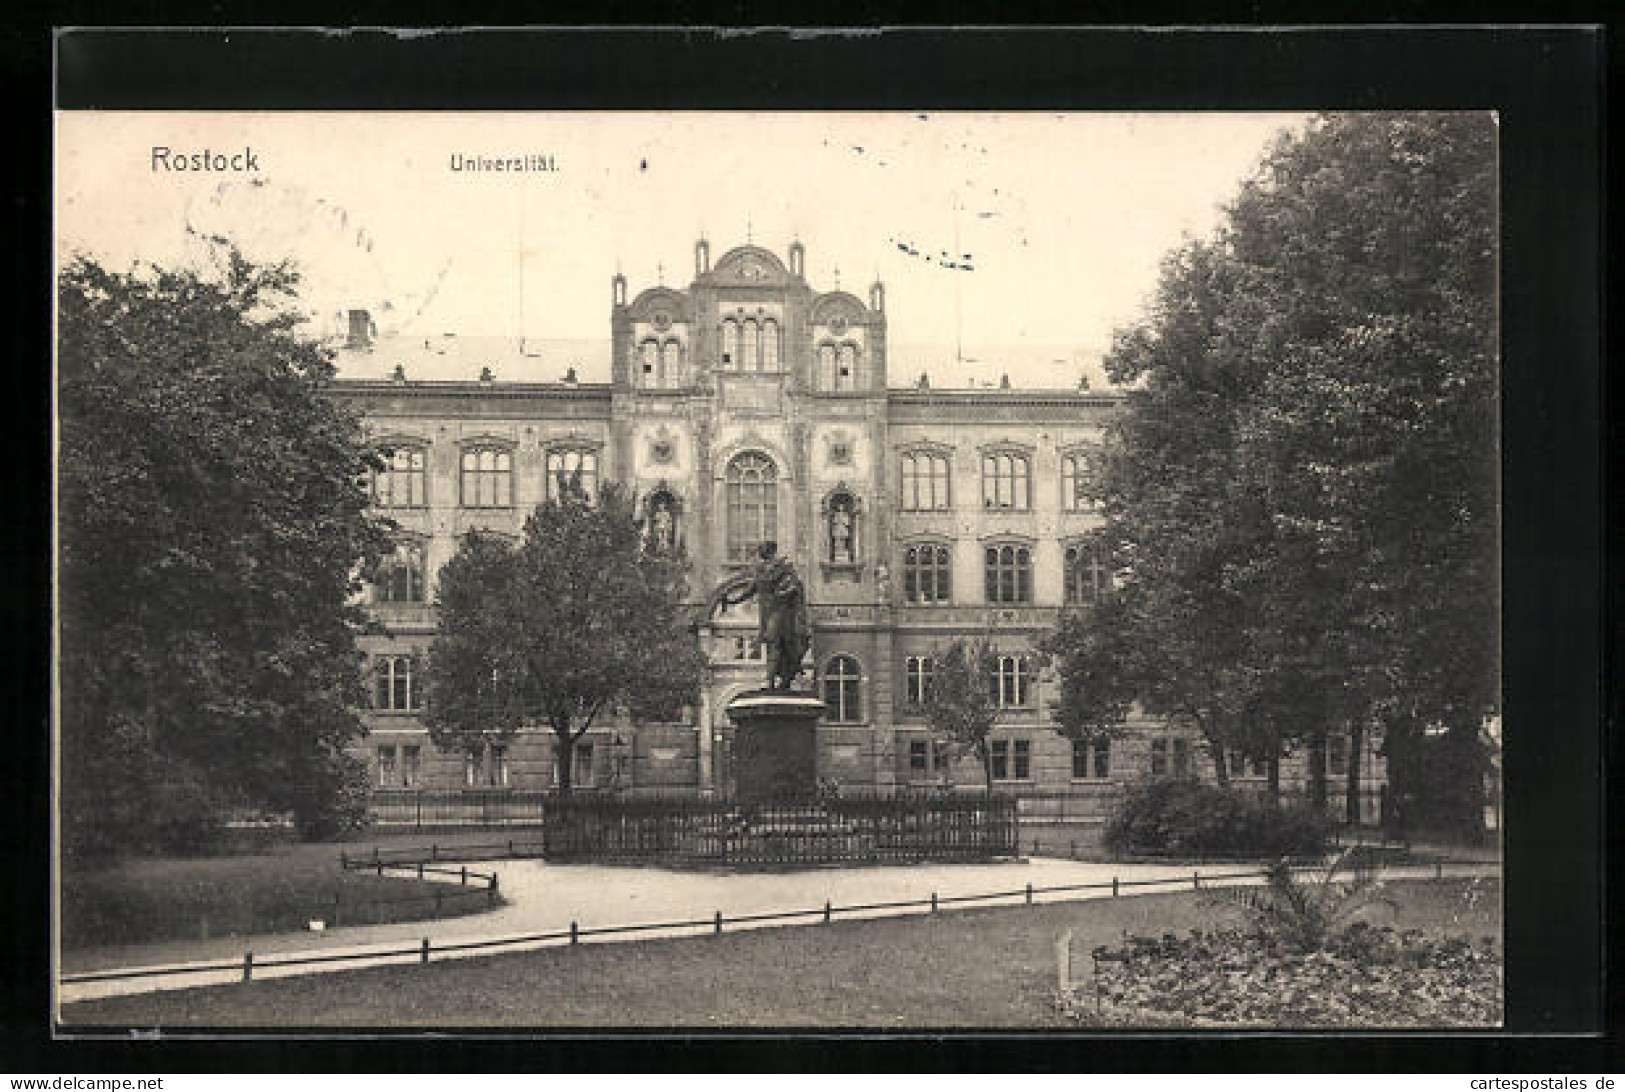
(826, 366)
(846, 368)
(1006, 481)
(925, 482)
(662, 526)
(750, 350)
(841, 529)
(671, 363)
(770, 346)
(487, 478)
(730, 344)
(843, 691)
(926, 570)
(649, 354)
(1010, 685)
(569, 467)
(397, 689)
(753, 504)
(400, 577)
(401, 482)
(1078, 475)
(1086, 577)
(1009, 574)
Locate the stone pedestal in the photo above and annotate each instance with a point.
(775, 744)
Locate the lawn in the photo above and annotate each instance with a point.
(278, 888)
(987, 968)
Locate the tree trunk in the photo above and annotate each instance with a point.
(987, 766)
(1351, 794)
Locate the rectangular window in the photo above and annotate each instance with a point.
(386, 767)
(999, 755)
(925, 482)
(473, 769)
(1022, 760)
(1159, 757)
(1091, 758)
(411, 765)
(583, 764)
(487, 478)
(926, 573)
(918, 757)
(1011, 683)
(1337, 756)
(1008, 570)
(917, 680)
(1006, 481)
(568, 468)
(400, 483)
(496, 770)
(397, 692)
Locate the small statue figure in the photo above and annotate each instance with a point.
(785, 628)
(661, 528)
(840, 534)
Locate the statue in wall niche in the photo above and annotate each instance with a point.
(781, 600)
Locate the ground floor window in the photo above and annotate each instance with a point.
(1011, 759)
(1091, 759)
(486, 767)
(399, 766)
(1337, 756)
(583, 773)
(926, 757)
(1170, 755)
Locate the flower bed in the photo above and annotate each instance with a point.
(1364, 977)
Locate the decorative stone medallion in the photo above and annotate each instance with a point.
(662, 321)
(837, 324)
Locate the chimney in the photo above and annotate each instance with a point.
(362, 330)
(702, 258)
(798, 259)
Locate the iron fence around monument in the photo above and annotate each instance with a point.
(782, 833)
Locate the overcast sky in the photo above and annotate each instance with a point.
(1065, 217)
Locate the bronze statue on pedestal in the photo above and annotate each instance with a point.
(781, 598)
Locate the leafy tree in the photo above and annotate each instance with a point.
(958, 706)
(576, 620)
(212, 510)
(1302, 492)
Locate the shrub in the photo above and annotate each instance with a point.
(333, 801)
(1182, 817)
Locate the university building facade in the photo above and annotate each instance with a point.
(751, 406)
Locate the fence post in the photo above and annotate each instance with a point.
(933, 902)
(344, 861)
(248, 966)
(1072, 848)
(491, 891)
(718, 923)
(826, 911)
(336, 907)
(575, 933)
(1196, 881)
(464, 876)
(510, 847)
(1029, 893)
(434, 851)
(420, 870)
(380, 868)
(1114, 887)
(425, 949)
(1438, 871)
